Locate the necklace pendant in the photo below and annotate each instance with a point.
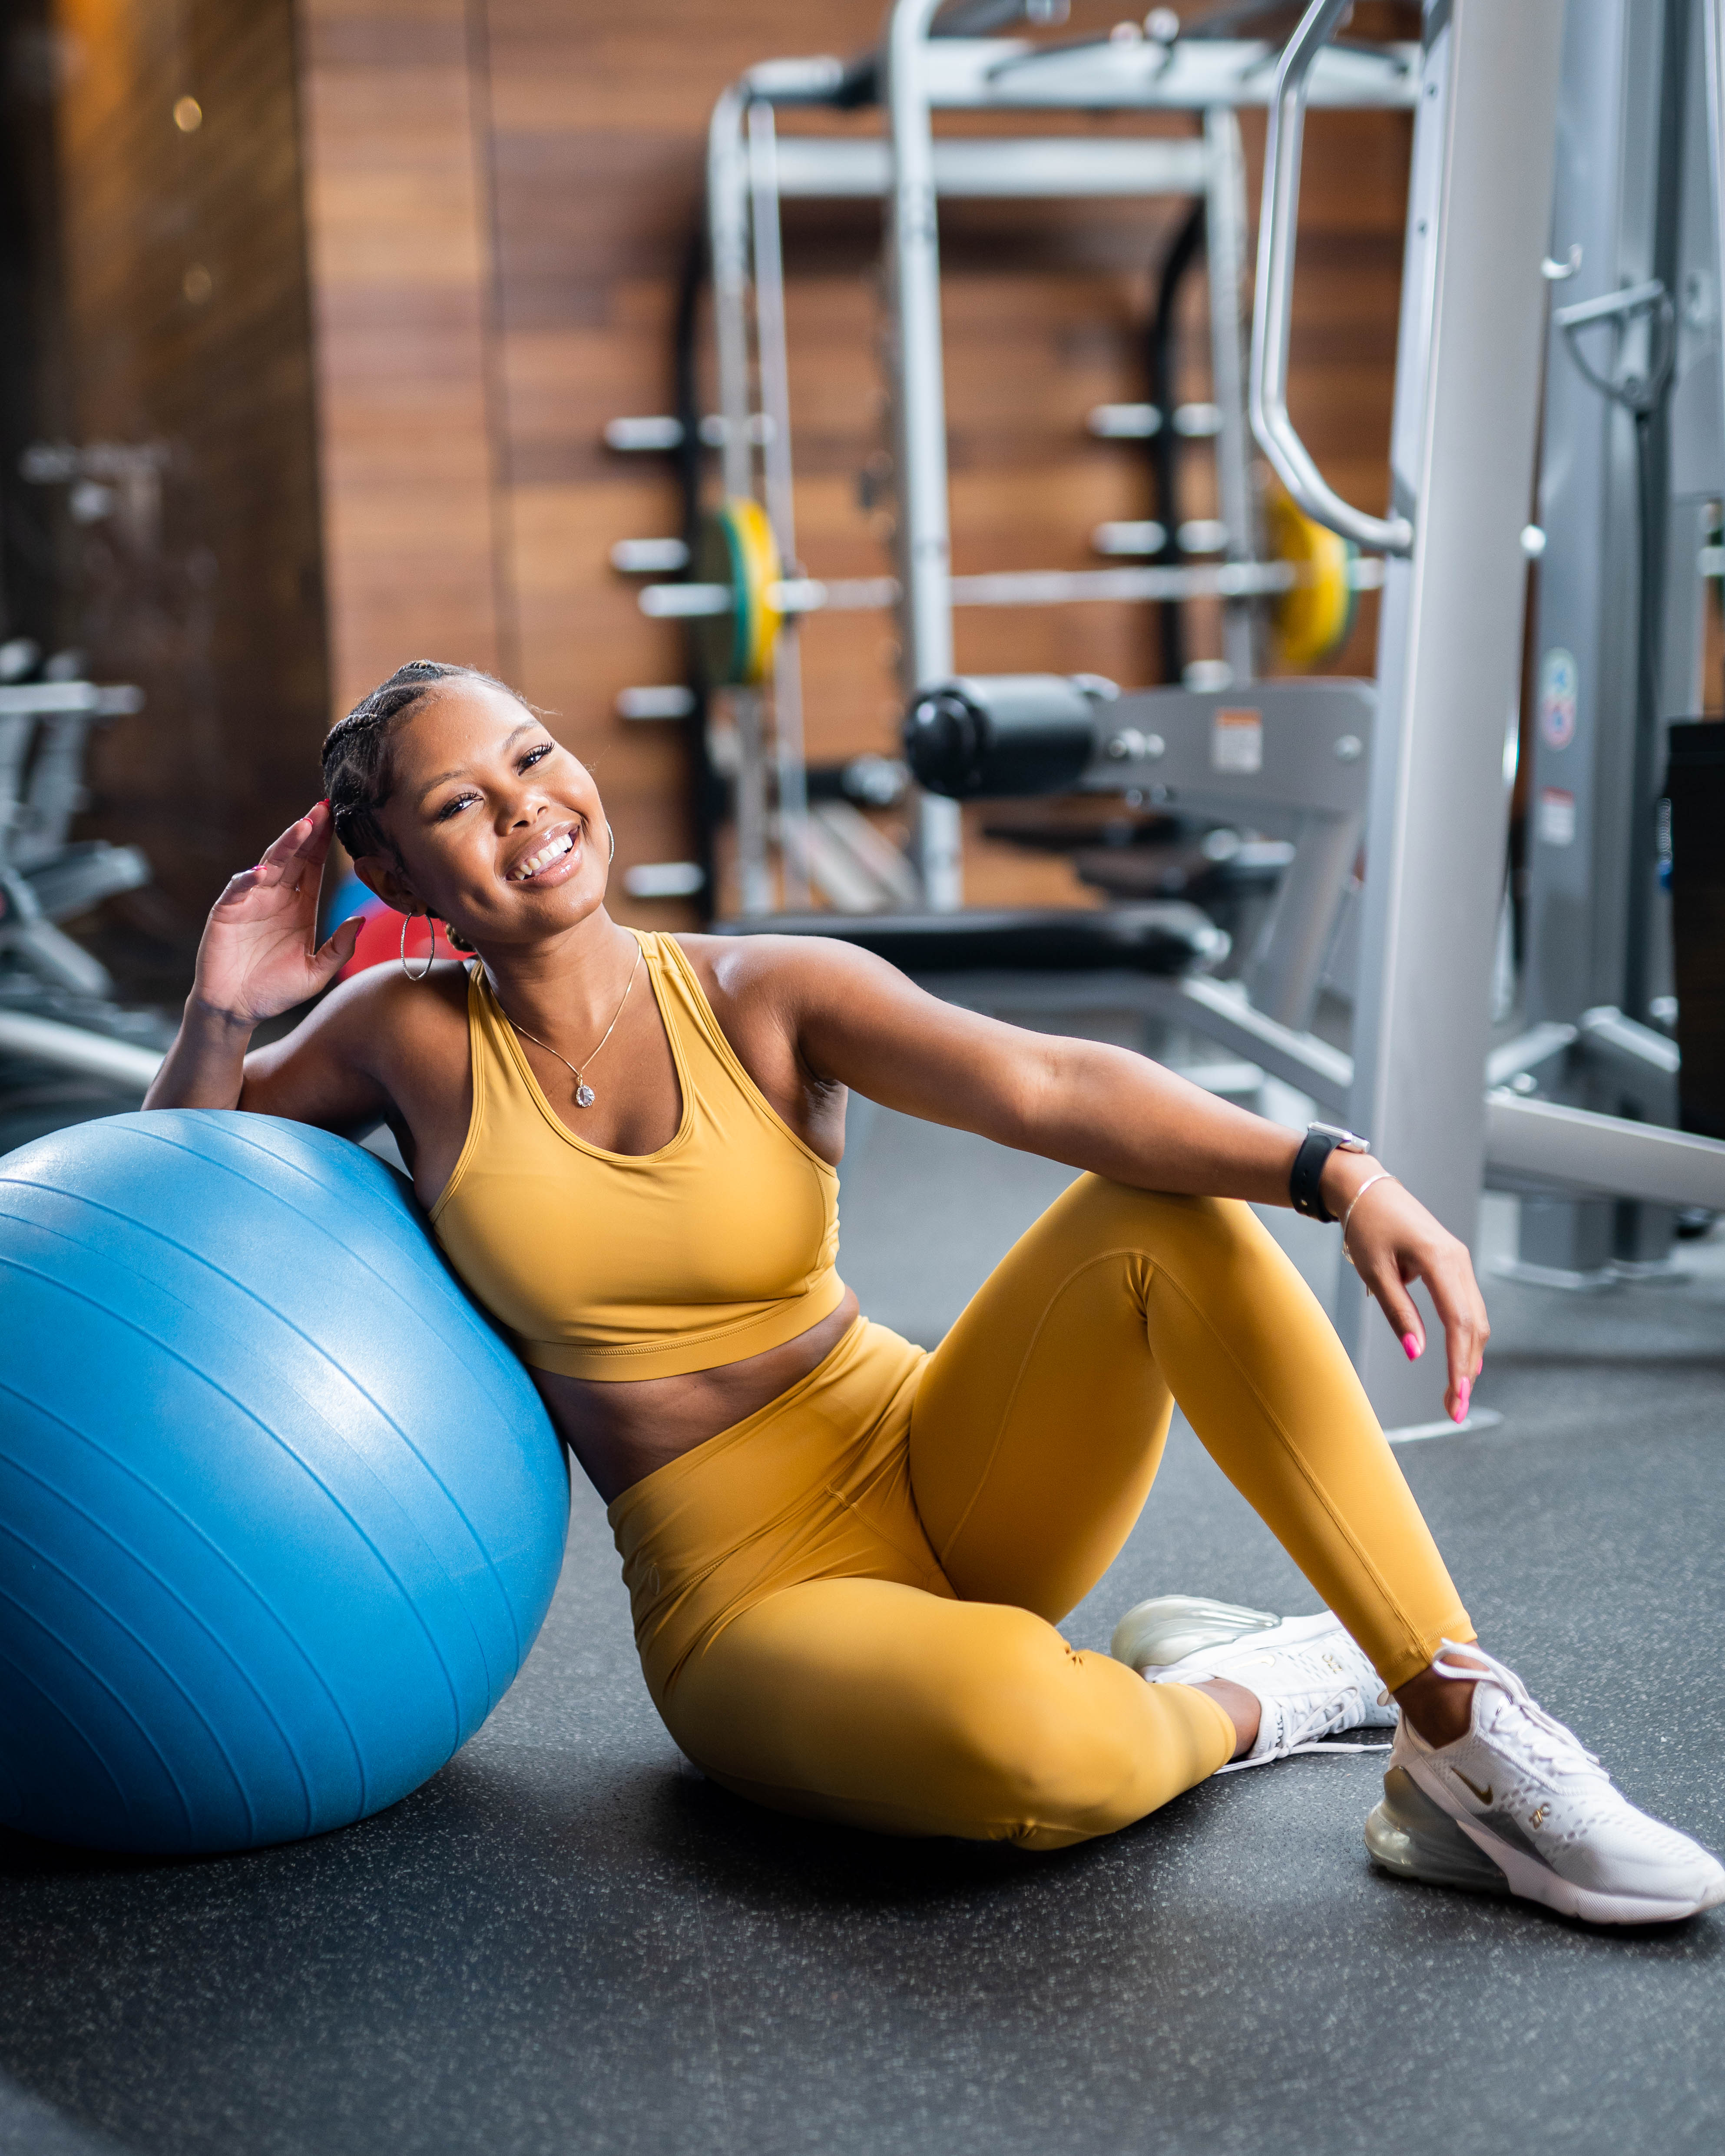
(583, 1097)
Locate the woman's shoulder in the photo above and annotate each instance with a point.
(382, 1009)
(742, 966)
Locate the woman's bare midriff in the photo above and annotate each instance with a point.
(620, 1433)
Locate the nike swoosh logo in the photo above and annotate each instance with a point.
(1484, 1795)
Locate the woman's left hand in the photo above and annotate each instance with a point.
(1392, 1241)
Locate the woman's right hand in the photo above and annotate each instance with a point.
(257, 959)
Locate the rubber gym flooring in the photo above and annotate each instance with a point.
(568, 1941)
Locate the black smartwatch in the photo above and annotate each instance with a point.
(1320, 1142)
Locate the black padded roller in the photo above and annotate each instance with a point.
(1001, 734)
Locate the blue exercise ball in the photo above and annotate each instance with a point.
(281, 1514)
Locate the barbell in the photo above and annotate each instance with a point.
(737, 598)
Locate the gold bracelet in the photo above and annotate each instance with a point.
(1383, 1175)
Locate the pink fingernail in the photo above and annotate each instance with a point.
(1464, 1392)
(1410, 1346)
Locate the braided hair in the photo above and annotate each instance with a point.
(358, 774)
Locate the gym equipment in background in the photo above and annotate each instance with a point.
(281, 1514)
(1483, 86)
(1314, 617)
(753, 169)
(1632, 471)
(1694, 786)
(736, 553)
(738, 600)
(1290, 757)
(45, 875)
(57, 1005)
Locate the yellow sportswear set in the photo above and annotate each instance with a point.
(845, 1604)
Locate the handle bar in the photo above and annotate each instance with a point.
(1272, 311)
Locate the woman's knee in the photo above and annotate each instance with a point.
(1049, 1740)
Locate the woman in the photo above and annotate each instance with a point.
(845, 1556)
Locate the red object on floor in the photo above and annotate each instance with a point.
(380, 941)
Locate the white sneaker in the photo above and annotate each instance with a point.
(1517, 1806)
(1309, 1678)
(1153, 1634)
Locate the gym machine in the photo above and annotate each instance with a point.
(1484, 86)
(1632, 472)
(56, 1000)
(744, 595)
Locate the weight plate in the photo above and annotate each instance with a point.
(736, 546)
(1313, 619)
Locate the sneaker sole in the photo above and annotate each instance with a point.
(1155, 1635)
(1416, 1839)
(1410, 1833)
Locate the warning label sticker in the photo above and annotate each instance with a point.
(1554, 824)
(1558, 680)
(1237, 741)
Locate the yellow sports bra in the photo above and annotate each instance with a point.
(617, 1265)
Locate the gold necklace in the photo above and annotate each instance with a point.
(583, 1091)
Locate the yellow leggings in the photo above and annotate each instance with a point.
(845, 1604)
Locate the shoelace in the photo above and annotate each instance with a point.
(1308, 1735)
(1552, 1744)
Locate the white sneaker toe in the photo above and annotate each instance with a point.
(1521, 1792)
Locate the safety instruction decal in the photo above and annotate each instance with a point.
(1554, 824)
(1237, 742)
(1559, 678)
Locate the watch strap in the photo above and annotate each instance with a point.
(1304, 1177)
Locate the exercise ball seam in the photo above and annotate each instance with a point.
(285, 1507)
(424, 1255)
(101, 1527)
(249, 1415)
(24, 1677)
(82, 1587)
(240, 1287)
(438, 1268)
(192, 1527)
(96, 1677)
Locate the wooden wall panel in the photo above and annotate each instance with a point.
(404, 285)
(184, 290)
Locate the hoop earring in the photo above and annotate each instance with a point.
(417, 977)
(611, 836)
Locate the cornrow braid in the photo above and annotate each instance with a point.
(358, 774)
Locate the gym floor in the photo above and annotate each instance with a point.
(568, 1940)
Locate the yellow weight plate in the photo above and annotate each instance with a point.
(736, 546)
(1313, 618)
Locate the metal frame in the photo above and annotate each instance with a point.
(911, 170)
(1484, 88)
(1449, 644)
(1272, 314)
(1635, 219)
(44, 876)
(1449, 634)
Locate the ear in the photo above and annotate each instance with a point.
(382, 877)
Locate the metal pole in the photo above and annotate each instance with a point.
(727, 228)
(728, 216)
(1224, 229)
(119, 1063)
(774, 364)
(1450, 649)
(925, 550)
(1713, 61)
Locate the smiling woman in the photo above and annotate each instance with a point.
(845, 1556)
